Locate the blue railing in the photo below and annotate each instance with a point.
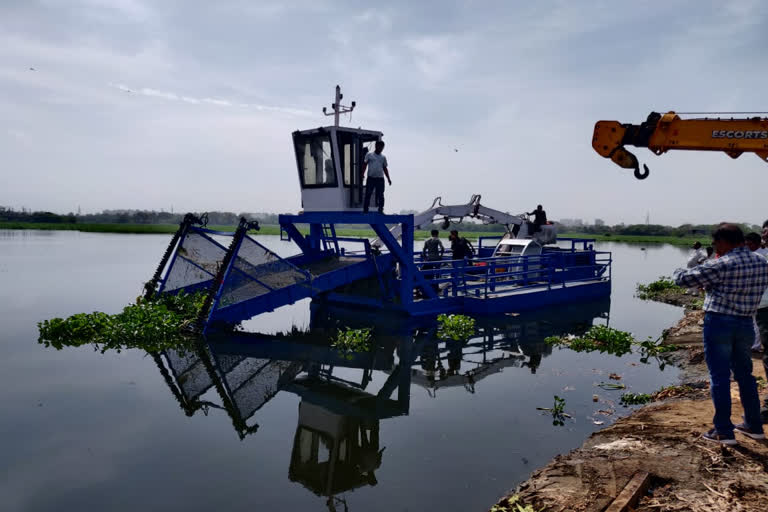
(480, 277)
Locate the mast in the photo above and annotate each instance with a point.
(338, 108)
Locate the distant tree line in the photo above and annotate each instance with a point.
(655, 229)
(231, 219)
(129, 217)
(11, 215)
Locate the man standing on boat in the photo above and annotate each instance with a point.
(461, 248)
(734, 283)
(433, 252)
(539, 218)
(376, 165)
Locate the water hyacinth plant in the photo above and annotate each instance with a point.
(661, 285)
(353, 340)
(455, 327)
(557, 411)
(613, 341)
(598, 337)
(635, 398)
(150, 324)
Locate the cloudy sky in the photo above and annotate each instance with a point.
(190, 104)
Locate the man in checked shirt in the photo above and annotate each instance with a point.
(734, 283)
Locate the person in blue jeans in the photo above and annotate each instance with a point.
(376, 165)
(734, 284)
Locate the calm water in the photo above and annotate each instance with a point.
(86, 431)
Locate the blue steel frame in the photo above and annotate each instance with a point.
(486, 284)
(401, 251)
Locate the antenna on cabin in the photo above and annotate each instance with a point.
(338, 108)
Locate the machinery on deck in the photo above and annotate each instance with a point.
(517, 226)
(662, 132)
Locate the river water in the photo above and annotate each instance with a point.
(81, 430)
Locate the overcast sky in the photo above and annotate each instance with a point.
(216, 88)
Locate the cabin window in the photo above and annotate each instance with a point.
(350, 168)
(346, 162)
(315, 160)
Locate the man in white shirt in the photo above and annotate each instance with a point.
(698, 256)
(376, 165)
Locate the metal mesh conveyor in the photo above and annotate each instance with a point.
(256, 271)
(242, 278)
(195, 263)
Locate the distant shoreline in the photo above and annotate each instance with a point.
(166, 229)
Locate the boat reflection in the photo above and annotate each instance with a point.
(337, 445)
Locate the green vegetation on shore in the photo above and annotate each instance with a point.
(666, 291)
(171, 228)
(275, 230)
(662, 285)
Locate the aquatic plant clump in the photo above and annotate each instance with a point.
(635, 398)
(558, 411)
(598, 338)
(662, 284)
(150, 324)
(353, 340)
(613, 341)
(652, 348)
(666, 291)
(455, 327)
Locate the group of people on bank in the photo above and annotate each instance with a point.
(735, 280)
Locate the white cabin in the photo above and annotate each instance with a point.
(330, 162)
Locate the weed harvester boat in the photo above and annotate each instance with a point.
(243, 278)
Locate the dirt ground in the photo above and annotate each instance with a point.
(663, 438)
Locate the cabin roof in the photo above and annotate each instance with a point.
(327, 129)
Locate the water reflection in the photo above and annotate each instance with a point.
(337, 445)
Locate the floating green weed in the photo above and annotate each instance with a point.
(611, 386)
(635, 398)
(153, 325)
(613, 341)
(655, 349)
(661, 285)
(600, 338)
(557, 410)
(455, 327)
(353, 340)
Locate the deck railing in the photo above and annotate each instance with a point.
(481, 277)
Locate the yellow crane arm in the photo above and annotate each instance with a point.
(662, 132)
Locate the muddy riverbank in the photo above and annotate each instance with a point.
(662, 439)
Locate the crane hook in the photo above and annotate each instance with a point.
(641, 175)
(627, 160)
